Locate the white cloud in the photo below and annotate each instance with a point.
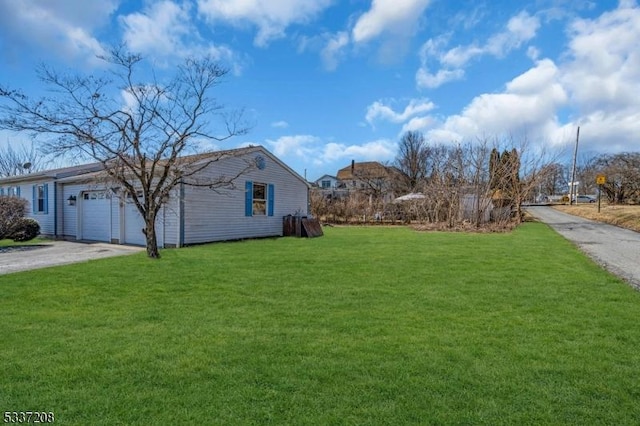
(333, 50)
(594, 86)
(280, 124)
(161, 29)
(271, 17)
(431, 81)
(527, 106)
(62, 27)
(379, 111)
(418, 124)
(379, 150)
(603, 73)
(519, 30)
(165, 30)
(314, 149)
(397, 17)
(297, 145)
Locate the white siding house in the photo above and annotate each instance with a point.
(72, 203)
(327, 182)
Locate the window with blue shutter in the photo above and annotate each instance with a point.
(259, 199)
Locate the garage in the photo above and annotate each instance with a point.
(96, 216)
(133, 225)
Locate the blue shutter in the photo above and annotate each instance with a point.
(18, 191)
(46, 198)
(34, 198)
(248, 198)
(270, 197)
(1, 191)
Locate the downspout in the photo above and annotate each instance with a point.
(55, 209)
(181, 216)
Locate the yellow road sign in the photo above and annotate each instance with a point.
(601, 179)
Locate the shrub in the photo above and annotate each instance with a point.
(12, 209)
(26, 229)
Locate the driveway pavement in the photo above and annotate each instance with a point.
(616, 249)
(52, 253)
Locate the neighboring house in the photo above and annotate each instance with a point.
(371, 178)
(327, 182)
(76, 203)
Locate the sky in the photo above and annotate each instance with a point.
(324, 82)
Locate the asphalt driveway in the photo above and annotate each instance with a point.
(616, 249)
(52, 253)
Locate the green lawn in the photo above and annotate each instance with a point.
(363, 326)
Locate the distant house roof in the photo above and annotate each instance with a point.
(366, 170)
(325, 177)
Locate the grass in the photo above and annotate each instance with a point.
(11, 243)
(624, 216)
(363, 326)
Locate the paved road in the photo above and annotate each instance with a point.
(51, 253)
(616, 249)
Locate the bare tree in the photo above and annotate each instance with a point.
(18, 161)
(412, 158)
(142, 141)
(622, 172)
(553, 179)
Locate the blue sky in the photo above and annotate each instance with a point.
(328, 81)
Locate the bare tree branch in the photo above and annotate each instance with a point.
(141, 131)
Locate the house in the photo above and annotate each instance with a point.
(77, 203)
(326, 182)
(372, 178)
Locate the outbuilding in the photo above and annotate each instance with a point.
(78, 203)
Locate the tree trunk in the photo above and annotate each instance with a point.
(152, 240)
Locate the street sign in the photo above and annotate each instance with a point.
(601, 179)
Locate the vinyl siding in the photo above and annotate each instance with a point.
(218, 216)
(114, 202)
(68, 220)
(46, 220)
(168, 220)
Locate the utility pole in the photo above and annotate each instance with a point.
(573, 193)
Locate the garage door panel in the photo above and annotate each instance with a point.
(96, 216)
(133, 225)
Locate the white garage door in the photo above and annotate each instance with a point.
(133, 225)
(96, 216)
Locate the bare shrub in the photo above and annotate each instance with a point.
(12, 209)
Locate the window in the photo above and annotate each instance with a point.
(326, 184)
(11, 191)
(259, 199)
(40, 198)
(94, 195)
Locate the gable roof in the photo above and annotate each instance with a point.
(94, 170)
(324, 177)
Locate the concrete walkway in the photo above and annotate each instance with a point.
(616, 249)
(52, 253)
